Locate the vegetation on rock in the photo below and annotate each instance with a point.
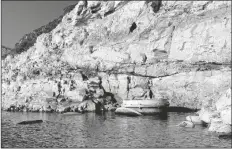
(29, 39)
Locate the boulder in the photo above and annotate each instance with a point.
(61, 108)
(74, 107)
(218, 126)
(41, 110)
(194, 119)
(25, 109)
(53, 105)
(187, 124)
(47, 109)
(224, 101)
(226, 115)
(206, 115)
(35, 107)
(225, 128)
(87, 106)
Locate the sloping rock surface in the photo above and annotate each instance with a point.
(177, 50)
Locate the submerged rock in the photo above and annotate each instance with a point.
(187, 124)
(30, 122)
(225, 136)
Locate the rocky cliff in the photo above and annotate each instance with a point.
(126, 50)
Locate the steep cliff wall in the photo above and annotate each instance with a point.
(179, 50)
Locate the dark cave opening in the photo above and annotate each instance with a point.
(133, 27)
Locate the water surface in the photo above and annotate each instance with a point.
(104, 130)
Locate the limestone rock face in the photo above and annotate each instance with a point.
(224, 101)
(206, 115)
(218, 126)
(176, 50)
(219, 119)
(226, 116)
(223, 106)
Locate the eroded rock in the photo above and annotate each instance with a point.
(224, 101)
(186, 124)
(226, 115)
(87, 106)
(206, 115)
(178, 51)
(218, 126)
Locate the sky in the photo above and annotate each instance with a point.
(22, 17)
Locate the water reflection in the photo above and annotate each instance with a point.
(161, 116)
(104, 130)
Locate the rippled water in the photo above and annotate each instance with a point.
(104, 130)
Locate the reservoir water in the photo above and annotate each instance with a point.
(104, 130)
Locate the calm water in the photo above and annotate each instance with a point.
(106, 130)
